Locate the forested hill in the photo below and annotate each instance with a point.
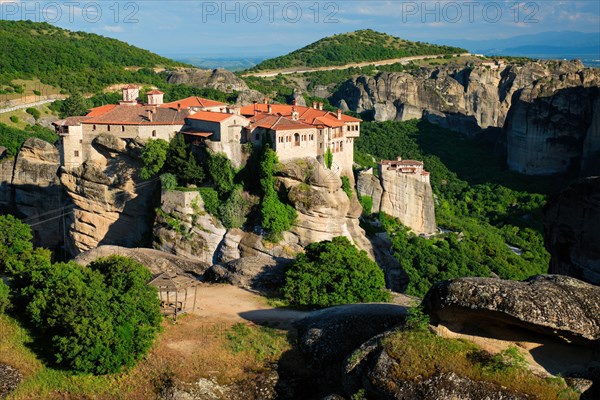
(352, 47)
(74, 61)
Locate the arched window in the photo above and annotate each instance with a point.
(296, 139)
(342, 145)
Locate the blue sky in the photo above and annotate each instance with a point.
(268, 28)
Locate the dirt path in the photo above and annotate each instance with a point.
(227, 303)
(288, 71)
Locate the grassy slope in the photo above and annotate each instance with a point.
(75, 61)
(358, 46)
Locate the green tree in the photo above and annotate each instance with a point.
(15, 242)
(74, 105)
(328, 158)
(221, 172)
(346, 186)
(4, 296)
(182, 163)
(211, 200)
(168, 181)
(233, 211)
(154, 155)
(334, 272)
(34, 112)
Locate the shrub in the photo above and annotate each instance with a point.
(182, 163)
(15, 243)
(366, 203)
(37, 92)
(328, 158)
(346, 186)
(233, 211)
(154, 155)
(34, 112)
(99, 318)
(211, 201)
(331, 273)
(168, 181)
(4, 293)
(14, 119)
(221, 172)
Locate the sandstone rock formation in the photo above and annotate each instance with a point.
(155, 260)
(549, 109)
(553, 305)
(218, 79)
(111, 205)
(404, 196)
(183, 227)
(572, 231)
(31, 189)
(324, 209)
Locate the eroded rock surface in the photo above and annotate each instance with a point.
(572, 231)
(558, 306)
(219, 79)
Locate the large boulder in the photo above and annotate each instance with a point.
(572, 231)
(329, 335)
(559, 306)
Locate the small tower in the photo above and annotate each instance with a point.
(130, 95)
(155, 97)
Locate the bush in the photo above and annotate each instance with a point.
(15, 243)
(366, 202)
(34, 112)
(14, 119)
(98, 319)
(346, 186)
(332, 273)
(13, 138)
(221, 172)
(37, 92)
(4, 299)
(233, 211)
(168, 181)
(328, 158)
(182, 163)
(211, 201)
(153, 156)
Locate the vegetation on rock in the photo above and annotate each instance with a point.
(154, 155)
(482, 219)
(331, 273)
(353, 47)
(13, 138)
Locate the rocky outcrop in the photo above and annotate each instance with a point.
(549, 109)
(324, 209)
(219, 79)
(155, 260)
(183, 227)
(553, 305)
(111, 205)
(571, 231)
(9, 379)
(405, 196)
(31, 189)
(550, 127)
(259, 273)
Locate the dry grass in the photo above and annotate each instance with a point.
(423, 353)
(190, 349)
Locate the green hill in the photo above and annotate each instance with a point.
(74, 61)
(358, 46)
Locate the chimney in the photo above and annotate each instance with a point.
(321, 106)
(255, 106)
(149, 115)
(315, 105)
(222, 109)
(270, 111)
(399, 158)
(178, 106)
(339, 115)
(265, 100)
(295, 114)
(295, 102)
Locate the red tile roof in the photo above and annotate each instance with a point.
(94, 112)
(193, 102)
(138, 115)
(276, 123)
(211, 116)
(307, 115)
(69, 121)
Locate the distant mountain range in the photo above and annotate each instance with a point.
(555, 44)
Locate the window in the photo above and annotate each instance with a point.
(321, 145)
(76, 153)
(312, 137)
(80, 141)
(153, 133)
(342, 146)
(296, 139)
(108, 128)
(257, 137)
(94, 127)
(122, 128)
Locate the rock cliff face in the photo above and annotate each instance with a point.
(218, 79)
(572, 231)
(111, 206)
(404, 196)
(549, 109)
(324, 209)
(30, 188)
(183, 227)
